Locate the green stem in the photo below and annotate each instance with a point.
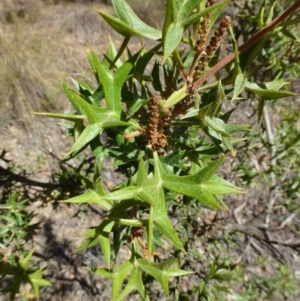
(150, 232)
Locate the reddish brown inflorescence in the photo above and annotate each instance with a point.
(213, 45)
(154, 131)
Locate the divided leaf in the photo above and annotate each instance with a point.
(135, 283)
(161, 271)
(128, 23)
(112, 82)
(196, 185)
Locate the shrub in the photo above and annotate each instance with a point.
(164, 116)
(15, 258)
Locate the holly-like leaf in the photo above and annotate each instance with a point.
(119, 274)
(151, 190)
(23, 262)
(113, 81)
(194, 185)
(135, 283)
(100, 118)
(103, 116)
(91, 197)
(36, 281)
(269, 90)
(161, 271)
(128, 23)
(99, 235)
(21, 276)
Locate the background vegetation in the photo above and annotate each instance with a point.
(43, 40)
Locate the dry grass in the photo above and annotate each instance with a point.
(23, 72)
(40, 42)
(37, 48)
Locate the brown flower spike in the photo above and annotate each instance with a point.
(213, 45)
(201, 42)
(154, 130)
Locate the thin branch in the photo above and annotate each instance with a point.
(258, 234)
(11, 176)
(273, 151)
